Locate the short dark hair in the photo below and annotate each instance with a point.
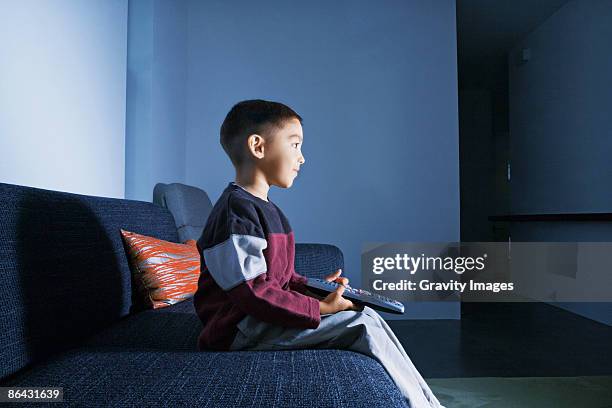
(248, 117)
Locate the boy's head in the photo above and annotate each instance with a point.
(264, 136)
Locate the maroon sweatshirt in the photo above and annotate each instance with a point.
(247, 252)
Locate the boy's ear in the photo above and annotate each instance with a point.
(255, 144)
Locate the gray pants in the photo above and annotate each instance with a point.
(365, 332)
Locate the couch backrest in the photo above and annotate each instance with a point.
(64, 273)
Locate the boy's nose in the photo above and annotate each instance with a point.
(302, 159)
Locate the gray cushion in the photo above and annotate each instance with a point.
(189, 205)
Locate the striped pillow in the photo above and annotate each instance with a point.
(163, 272)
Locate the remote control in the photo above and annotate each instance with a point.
(373, 300)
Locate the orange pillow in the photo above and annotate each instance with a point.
(164, 272)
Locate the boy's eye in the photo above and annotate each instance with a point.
(295, 144)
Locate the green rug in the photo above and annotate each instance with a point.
(524, 392)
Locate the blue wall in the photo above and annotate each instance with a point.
(156, 96)
(62, 95)
(561, 129)
(376, 84)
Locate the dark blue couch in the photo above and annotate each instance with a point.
(67, 320)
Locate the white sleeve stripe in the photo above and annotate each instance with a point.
(236, 260)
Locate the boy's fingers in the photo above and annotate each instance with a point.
(333, 276)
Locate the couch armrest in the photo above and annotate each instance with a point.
(317, 260)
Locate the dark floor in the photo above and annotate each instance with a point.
(508, 340)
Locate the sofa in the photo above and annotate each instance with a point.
(68, 320)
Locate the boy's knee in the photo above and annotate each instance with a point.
(370, 322)
(372, 313)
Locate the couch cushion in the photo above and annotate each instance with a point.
(175, 327)
(64, 273)
(189, 205)
(296, 378)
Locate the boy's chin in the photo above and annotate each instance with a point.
(284, 183)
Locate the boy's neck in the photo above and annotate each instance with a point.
(255, 185)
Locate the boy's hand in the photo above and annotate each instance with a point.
(334, 302)
(335, 277)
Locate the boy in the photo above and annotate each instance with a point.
(249, 296)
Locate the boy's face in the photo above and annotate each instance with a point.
(283, 154)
